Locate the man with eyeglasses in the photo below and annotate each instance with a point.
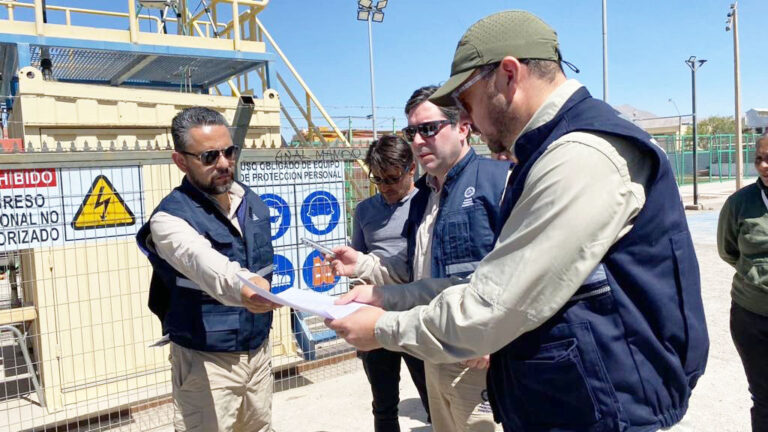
(453, 223)
(201, 236)
(378, 231)
(590, 302)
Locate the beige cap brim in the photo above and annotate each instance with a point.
(442, 97)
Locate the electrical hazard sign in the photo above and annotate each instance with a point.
(102, 202)
(102, 207)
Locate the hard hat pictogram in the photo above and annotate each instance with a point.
(102, 207)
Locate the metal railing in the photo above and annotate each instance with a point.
(10, 5)
(715, 154)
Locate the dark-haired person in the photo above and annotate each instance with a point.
(742, 241)
(378, 230)
(590, 301)
(199, 238)
(453, 222)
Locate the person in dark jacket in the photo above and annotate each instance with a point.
(742, 241)
(590, 301)
(453, 223)
(378, 229)
(199, 239)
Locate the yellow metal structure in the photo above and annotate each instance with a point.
(80, 294)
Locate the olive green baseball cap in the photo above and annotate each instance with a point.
(515, 33)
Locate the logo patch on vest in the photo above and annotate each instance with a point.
(468, 194)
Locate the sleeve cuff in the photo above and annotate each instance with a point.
(236, 299)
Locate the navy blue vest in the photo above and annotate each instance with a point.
(468, 219)
(625, 352)
(190, 317)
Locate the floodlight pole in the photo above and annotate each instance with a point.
(373, 86)
(605, 52)
(732, 25)
(694, 64)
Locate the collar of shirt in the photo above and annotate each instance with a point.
(550, 107)
(402, 201)
(433, 184)
(761, 186)
(236, 194)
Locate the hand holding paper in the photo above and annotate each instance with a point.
(305, 301)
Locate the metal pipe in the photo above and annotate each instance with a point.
(133, 25)
(605, 52)
(301, 82)
(695, 134)
(373, 87)
(737, 98)
(23, 345)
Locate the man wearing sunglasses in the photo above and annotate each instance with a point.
(453, 223)
(199, 238)
(378, 230)
(590, 301)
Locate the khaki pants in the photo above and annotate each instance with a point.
(222, 391)
(456, 399)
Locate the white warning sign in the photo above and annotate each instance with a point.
(305, 199)
(102, 202)
(44, 207)
(30, 208)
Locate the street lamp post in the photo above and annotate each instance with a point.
(732, 24)
(366, 11)
(694, 64)
(605, 52)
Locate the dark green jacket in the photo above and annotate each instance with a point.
(742, 241)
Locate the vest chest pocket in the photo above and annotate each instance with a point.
(466, 237)
(219, 239)
(455, 234)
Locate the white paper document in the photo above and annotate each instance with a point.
(306, 301)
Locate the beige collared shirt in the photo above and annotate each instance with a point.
(192, 255)
(579, 198)
(422, 256)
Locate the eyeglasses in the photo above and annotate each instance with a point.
(484, 72)
(387, 180)
(209, 157)
(426, 129)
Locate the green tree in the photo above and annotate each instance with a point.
(715, 125)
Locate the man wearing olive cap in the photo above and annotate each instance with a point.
(590, 302)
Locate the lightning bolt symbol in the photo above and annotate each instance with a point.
(99, 202)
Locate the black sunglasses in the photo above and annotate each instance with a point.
(387, 180)
(426, 129)
(209, 157)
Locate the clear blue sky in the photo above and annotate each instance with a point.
(647, 44)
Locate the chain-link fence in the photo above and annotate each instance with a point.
(715, 156)
(76, 335)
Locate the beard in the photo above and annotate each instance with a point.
(209, 186)
(500, 117)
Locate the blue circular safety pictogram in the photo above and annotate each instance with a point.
(283, 274)
(317, 273)
(320, 212)
(279, 214)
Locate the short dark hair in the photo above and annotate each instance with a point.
(422, 94)
(193, 117)
(388, 151)
(761, 138)
(546, 70)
